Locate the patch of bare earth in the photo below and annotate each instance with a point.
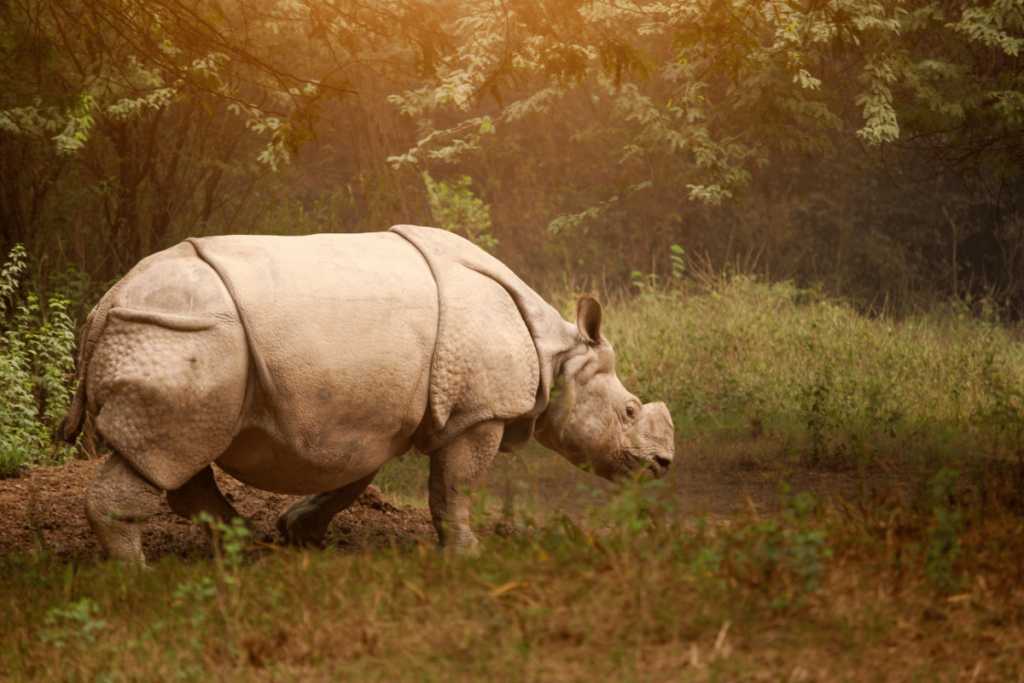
(43, 509)
(709, 478)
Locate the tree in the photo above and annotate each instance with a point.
(601, 120)
(726, 84)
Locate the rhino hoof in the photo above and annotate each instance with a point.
(295, 534)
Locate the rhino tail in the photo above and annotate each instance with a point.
(71, 426)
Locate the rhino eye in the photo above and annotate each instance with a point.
(630, 412)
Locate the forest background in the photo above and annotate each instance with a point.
(868, 151)
(873, 149)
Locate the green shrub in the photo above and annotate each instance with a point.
(455, 208)
(35, 365)
(74, 624)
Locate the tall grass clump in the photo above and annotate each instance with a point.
(36, 365)
(734, 353)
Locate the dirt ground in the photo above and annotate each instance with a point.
(42, 509)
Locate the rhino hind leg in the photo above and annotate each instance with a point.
(118, 501)
(305, 522)
(168, 399)
(201, 494)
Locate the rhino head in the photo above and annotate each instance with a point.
(594, 421)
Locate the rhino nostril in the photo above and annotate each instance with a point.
(662, 462)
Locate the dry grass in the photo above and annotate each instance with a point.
(736, 353)
(633, 592)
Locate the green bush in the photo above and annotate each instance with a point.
(455, 208)
(35, 365)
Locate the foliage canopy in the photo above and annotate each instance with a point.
(147, 118)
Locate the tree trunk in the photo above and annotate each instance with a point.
(378, 131)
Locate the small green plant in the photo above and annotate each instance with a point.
(676, 259)
(652, 288)
(228, 540)
(223, 590)
(788, 549)
(195, 596)
(635, 505)
(74, 624)
(455, 208)
(947, 523)
(646, 285)
(36, 363)
(807, 549)
(825, 410)
(10, 276)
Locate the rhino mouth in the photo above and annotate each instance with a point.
(658, 466)
(652, 461)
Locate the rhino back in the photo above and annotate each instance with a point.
(341, 330)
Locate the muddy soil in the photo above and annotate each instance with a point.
(42, 509)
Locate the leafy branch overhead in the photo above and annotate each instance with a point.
(711, 89)
(723, 85)
(68, 64)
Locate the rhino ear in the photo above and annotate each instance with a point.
(588, 318)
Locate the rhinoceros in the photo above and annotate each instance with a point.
(301, 365)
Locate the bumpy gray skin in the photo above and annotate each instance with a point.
(302, 365)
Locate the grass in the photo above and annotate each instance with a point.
(404, 479)
(916, 573)
(631, 593)
(739, 356)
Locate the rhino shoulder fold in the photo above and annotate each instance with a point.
(499, 344)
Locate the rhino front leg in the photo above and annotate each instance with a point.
(117, 502)
(306, 520)
(453, 470)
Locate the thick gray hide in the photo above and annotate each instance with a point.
(340, 330)
(351, 341)
(304, 364)
(486, 364)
